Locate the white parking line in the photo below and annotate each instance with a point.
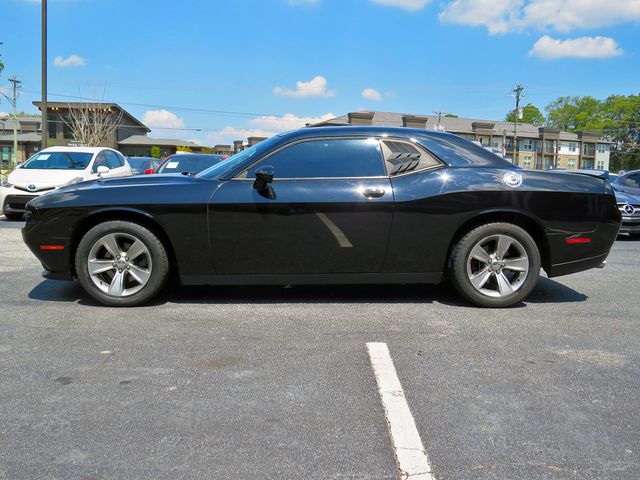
(411, 457)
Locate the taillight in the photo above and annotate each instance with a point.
(149, 171)
(577, 240)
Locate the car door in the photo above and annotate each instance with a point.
(328, 210)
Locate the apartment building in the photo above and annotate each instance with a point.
(537, 148)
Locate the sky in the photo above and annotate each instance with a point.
(214, 71)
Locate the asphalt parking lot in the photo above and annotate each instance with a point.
(277, 383)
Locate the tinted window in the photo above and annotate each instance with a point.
(189, 163)
(59, 161)
(632, 180)
(402, 157)
(113, 161)
(333, 158)
(101, 161)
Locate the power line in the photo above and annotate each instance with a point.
(193, 129)
(172, 107)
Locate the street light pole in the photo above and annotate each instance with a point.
(14, 102)
(45, 125)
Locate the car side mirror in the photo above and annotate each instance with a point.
(264, 177)
(102, 170)
(263, 181)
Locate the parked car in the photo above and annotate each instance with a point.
(628, 182)
(141, 165)
(56, 166)
(629, 206)
(357, 204)
(189, 163)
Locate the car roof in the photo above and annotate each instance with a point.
(75, 149)
(403, 132)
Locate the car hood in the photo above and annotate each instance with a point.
(622, 197)
(38, 179)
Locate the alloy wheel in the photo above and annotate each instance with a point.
(497, 266)
(119, 264)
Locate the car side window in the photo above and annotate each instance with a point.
(112, 159)
(120, 158)
(100, 161)
(326, 158)
(632, 181)
(402, 157)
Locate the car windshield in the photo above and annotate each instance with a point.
(58, 161)
(189, 163)
(228, 164)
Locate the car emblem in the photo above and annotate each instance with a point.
(512, 179)
(32, 187)
(629, 209)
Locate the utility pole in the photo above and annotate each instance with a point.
(14, 101)
(45, 125)
(516, 92)
(439, 127)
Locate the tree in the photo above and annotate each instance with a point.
(183, 149)
(575, 113)
(155, 151)
(616, 119)
(530, 114)
(92, 123)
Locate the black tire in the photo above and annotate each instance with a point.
(159, 272)
(462, 266)
(14, 216)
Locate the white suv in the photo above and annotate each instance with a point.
(56, 166)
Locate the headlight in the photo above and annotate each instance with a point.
(6, 184)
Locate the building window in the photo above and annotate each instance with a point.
(67, 133)
(495, 143)
(589, 149)
(600, 165)
(52, 128)
(7, 153)
(573, 147)
(571, 163)
(549, 147)
(526, 161)
(527, 145)
(602, 148)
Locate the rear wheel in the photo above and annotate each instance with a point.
(495, 265)
(121, 263)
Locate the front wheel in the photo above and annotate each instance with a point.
(495, 265)
(121, 263)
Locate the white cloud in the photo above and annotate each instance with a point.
(584, 47)
(71, 61)
(409, 5)
(162, 119)
(502, 16)
(316, 87)
(496, 15)
(371, 94)
(266, 126)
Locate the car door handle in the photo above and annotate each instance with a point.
(373, 192)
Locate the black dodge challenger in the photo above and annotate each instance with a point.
(327, 206)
